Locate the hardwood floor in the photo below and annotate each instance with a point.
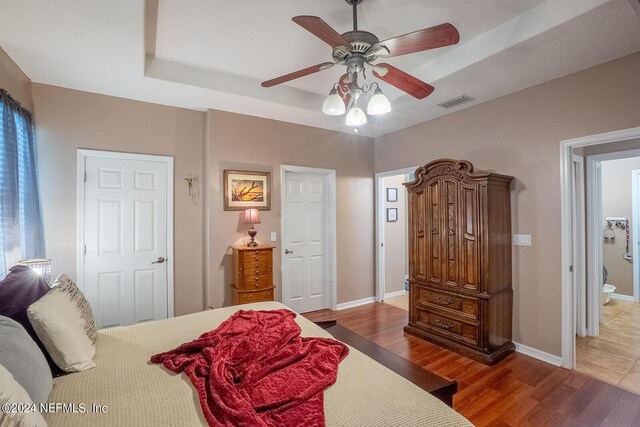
(519, 391)
(614, 356)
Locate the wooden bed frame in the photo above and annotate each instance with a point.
(439, 387)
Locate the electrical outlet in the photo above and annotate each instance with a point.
(521, 240)
(273, 236)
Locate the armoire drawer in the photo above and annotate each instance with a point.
(451, 327)
(462, 305)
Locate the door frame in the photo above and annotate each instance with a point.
(635, 224)
(566, 168)
(330, 224)
(82, 155)
(380, 216)
(578, 255)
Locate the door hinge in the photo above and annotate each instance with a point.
(571, 268)
(382, 245)
(85, 176)
(84, 249)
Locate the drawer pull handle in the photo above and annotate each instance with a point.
(451, 232)
(443, 325)
(257, 277)
(443, 301)
(257, 284)
(434, 231)
(248, 297)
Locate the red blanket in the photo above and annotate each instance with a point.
(255, 370)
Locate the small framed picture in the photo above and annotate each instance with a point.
(392, 194)
(392, 214)
(246, 189)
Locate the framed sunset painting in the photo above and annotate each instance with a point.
(246, 189)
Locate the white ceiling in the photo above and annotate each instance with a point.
(203, 54)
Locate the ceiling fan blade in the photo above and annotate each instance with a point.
(404, 81)
(425, 39)
(297, 74)
(322, 30)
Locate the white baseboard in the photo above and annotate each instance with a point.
(395, 294)
(355, 303)
(622, 297)
(538, 354)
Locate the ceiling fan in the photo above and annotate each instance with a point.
(358, 50)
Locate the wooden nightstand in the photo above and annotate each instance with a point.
(252, 274)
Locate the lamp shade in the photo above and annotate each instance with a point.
(356, 117)
(333, 104)
(251, 216)
(378, 104)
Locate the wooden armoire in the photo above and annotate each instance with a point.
(460, 293)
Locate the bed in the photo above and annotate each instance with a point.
(126, 389)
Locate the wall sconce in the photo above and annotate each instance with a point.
(252, 216)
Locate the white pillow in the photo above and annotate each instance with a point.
(59, 323)
(12, 393)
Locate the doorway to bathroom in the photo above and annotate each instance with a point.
(609, 348)
(392, 237)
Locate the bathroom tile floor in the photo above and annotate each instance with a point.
(614, 356)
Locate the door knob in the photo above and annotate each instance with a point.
(160, 260)
(287, 252)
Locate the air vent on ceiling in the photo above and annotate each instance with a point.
(455, 101)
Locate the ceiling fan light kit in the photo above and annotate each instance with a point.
(334, 104)
(357, 50)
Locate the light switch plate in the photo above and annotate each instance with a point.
(522, 240)
(273, 236)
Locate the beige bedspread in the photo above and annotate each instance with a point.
(136, 392)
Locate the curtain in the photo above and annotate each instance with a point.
(21, 229)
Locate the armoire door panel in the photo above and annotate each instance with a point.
(418, 237)
(433, 227)
(470, 254)
(450, 235)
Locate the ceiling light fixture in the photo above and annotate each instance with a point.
(344, 97)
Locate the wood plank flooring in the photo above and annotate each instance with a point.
(519, 391)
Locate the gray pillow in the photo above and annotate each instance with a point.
(20, 355)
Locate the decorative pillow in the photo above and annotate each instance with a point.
(64, 284)
(21, 288)
(20, 355)
(61, 325)
(11, 392)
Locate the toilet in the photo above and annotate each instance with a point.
(607, 290)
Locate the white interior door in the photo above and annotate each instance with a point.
(127, 230)
(305, 264)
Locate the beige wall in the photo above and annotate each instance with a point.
(395, 237)
(616, 202)
(14, 81)
(519, 135)
(243, 142)
(67, 120)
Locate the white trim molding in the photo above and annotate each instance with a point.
(566, 151)
(395, 294)
(623, 297)
(330, 223)
(538, 354)
(351, 304)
